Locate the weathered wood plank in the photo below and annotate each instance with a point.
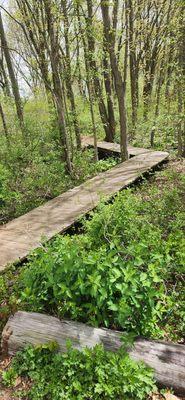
(88, 141)
(26, 233)
(167, 359)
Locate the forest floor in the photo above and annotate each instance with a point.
(160, 180)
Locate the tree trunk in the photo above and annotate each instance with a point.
(126, 44)
(166, 359)
(119, 84)
(91, 101)
(132, 57)
(78, 67)
(14, 83)
(5, 82)
(4, 124)
(90, 88)
(57, 85)
(180, 124)
(110, 134)
(159, 86)
(168, 76)
(151, 62)
(106, 117)
(69, 77)
(181, 84)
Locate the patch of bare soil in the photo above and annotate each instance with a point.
(21, 384)
(165, 396)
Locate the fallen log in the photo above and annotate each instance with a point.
(167, 359)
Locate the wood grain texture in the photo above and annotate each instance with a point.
(167, 359)
(26, 233)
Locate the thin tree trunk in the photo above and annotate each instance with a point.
(107, 119)
(119, 84)
(90, 87)
(151, 62)
(180, 125)
(14, 83)
(133, 78)
(6, 86)
(57, 85)
(126, 44)
(148, 86)
(69, 78)
(4, 124)
(108, 88)
(93, 124)
(168, 78)
(159, 86)
(67, 120)
(181, 84)
(78, 68)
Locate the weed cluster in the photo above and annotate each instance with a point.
(90, 374)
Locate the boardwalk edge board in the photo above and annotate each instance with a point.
(166, 359)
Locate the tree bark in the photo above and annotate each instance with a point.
(90, 88)
(14, 83)
(4, 124)
(126, 43)
(57, 85)
(107, 116)
(68, 76)
(110, 134)
(181, 84)
(119, 84)
(159, 86)
(169, 75)
(4, 78)
(166, 359)
(133, 66)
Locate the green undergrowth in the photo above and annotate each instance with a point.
(90, 374)
(32, 173)
(9, 293)
(30, 178)
(126, 271)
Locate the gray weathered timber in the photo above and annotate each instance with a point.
(88, 141)
(26, 233)
(167, 359)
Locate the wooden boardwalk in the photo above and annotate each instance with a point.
(88, 141)
(26, 233)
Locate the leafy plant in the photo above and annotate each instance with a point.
(123, 272)
(89, 374)
(101, 287)
(8, 295)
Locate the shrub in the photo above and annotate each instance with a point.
(98, 287)
(123, 272)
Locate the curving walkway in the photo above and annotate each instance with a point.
(26, 233)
